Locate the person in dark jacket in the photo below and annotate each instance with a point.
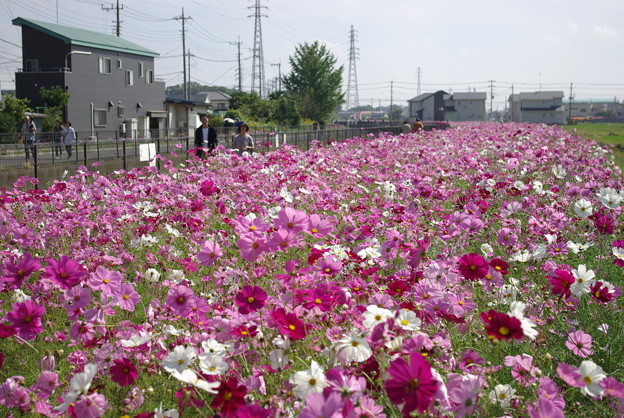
(205, 137)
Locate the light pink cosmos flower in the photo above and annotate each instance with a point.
(105, 280)
(127, 297)
(522, 369)
(252, 246)
(507, 237)
(209, 253)
(291, 219)
(180, 299)
(580, 343)
(46, 383)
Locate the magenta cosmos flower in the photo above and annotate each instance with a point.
(26, 319)
(250, 298)
(15, 274)
(180, 299)
(561, 281)
(123, 372)
(65, 272)
(288, 324)
(473, 267)
(501, 326)
(411, 384)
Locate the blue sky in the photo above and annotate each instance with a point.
(458, 45)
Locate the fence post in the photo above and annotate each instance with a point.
(97, 144)
(158, 152)
(117, 143)
(84, 151)
(34, 151)
(124, 155)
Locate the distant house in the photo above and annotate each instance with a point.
(441, 106)
(460, 107)
(220, 101)
(184, 114)
(427, 106)
(110, 81)
(538, 107)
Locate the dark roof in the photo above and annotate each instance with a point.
(217, 95)
(176, 99)
(86, 38)
(541, 95)
(426, 96)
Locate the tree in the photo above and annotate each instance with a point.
(55, 99)
(314, 81)
(12, 113)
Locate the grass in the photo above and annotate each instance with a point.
(604, 133)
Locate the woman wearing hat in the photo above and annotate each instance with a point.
(243, 141)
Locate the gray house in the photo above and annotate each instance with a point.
(427, 106)
(110, 81)
(468, 106)
(538, 107)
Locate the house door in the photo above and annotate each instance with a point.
(154, 127)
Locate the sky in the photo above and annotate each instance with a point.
(402, 47)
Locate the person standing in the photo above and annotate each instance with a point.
(57, 137)
(406, 128)
(28, 136)
(205, 137)
(418, 125)
(70, 136)
(243, 141)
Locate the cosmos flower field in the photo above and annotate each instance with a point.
(475, 271)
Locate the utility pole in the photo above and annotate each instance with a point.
(511, 110)
(391, 102)
(353, 99)
(279, 74)
(189, 55)
(570, 112)
(240, 74)
(418, 83)
(491, 98)
(117, 23)
(257, 71)
(183, 19)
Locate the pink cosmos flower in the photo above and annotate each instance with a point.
(522, 369)
(580, 343)
(180, 300)
(105, 280)
(15, 274)
(65, 272)
(209, 253)
(501, 326)
(127, 297)
(123, 372)
(612, 388)
(549, 389)
(291, 219)
(544, 408)
(208, 188)
(282, 239)
(288, 324)
(411, 384)
(90, 406)
(46, 383)
(319, 405)
(317, 299)
(317, 227)
(329, 265)
(463, 392)
(473, 267)
(602, 292)
(251, 246)
(82, 331)
(250, 299)
(604, 224)
(507, 237)
(26, 319)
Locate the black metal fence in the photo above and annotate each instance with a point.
(124, 151)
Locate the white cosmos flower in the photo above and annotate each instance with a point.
(278, 358)
(190, 377)
(309, 381)
(539, 252)
(213, 346)
(583, 208)
(584, 280)
(179, 359)
(502, 395)
(618, 253)
(609, 198)
(407, 320)
(80, 384)
(19, 296)
(286, 195)
(508, 293)
(176, 276)
(487, 250)
(136, 340)
(212, 364)
(516, 309)
(559, 171)
(353, 347)
(591, 375)
(160, 413)
(375, 315)
(152, 275)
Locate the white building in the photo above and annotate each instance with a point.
(538, 107)
(461, 107)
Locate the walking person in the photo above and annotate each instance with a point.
(28, 136)
(243, 141)
(57, 136)
(70, 136)
(418, 126)
(205, 137)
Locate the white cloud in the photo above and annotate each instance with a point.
(606, 31)
(573, 26)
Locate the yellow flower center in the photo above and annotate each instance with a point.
(250, 299)
(503, 331)
(291, 327)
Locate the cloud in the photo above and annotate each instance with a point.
(607, 32)
(573, 26)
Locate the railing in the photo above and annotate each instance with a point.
(113, 150)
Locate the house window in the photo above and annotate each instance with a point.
(129, 78)
(31, 65)
(221, 106)
(99, 117)
(149, 77)
(119, 64)
(105, 65)
(141, 70)
(120, 111)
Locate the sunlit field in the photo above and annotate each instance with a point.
(475, 271)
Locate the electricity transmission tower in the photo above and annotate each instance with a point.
(117, 22)
(353, 99)
(257, 72)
